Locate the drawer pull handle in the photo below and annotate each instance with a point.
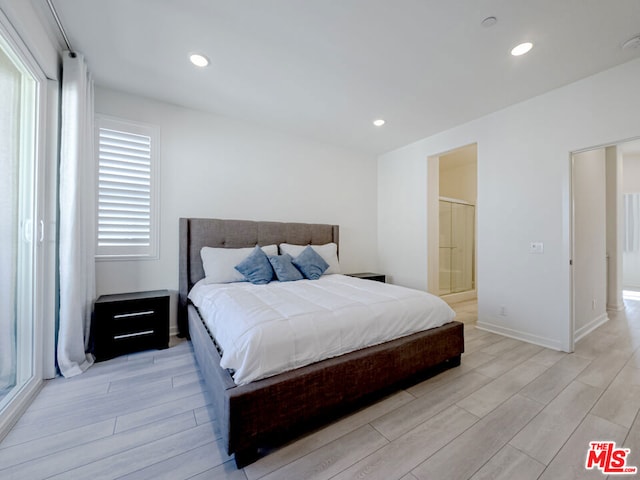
(136, 314)
(136, 334)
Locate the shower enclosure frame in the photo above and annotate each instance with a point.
(454, 294)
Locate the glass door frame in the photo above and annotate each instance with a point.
(471, 241)
(42, 275)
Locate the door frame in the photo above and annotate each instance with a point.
(433, 221)
(572, 237)
(42, 275)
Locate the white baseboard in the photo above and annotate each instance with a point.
(518, 335)
(590, 327)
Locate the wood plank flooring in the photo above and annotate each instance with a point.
(512, 410)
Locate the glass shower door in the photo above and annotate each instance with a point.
(446, 247)
(457, 247)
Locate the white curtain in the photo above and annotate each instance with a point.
(77, 217)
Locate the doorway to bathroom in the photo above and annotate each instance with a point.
(452, 226)
(456, 248)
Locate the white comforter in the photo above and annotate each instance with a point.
(268, 329)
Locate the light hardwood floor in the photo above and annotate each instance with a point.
(512, 410)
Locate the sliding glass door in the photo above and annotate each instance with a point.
(20, 231)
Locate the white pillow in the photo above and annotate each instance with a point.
(219, 263)
(328, 251)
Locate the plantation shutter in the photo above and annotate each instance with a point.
(125, 192)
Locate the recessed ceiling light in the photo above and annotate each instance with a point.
(379, 122)
(521, 49)
(199, 60)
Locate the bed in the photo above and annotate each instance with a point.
(270, 410)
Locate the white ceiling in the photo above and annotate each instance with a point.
(325, 69)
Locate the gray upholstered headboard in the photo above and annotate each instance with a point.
(196, 233)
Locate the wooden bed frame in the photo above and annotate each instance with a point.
(277, 408)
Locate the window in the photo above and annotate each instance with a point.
(127, 191)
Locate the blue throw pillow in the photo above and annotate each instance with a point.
(310, 263)
(285, 270)
(256, 267)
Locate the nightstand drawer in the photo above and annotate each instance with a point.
(127, 314)
(130, 322)
(126, 325)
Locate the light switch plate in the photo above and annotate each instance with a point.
(536, 247)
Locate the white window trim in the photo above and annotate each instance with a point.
(153, 131)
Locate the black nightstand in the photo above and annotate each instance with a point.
(130, 322)
(377, 277)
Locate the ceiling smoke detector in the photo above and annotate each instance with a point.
(633, 42)
(489, 22)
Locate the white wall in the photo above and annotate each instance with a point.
(461, 180)
(523, 195)
(630, 173)
(459, 183)
(590, 240)
(216, 167)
